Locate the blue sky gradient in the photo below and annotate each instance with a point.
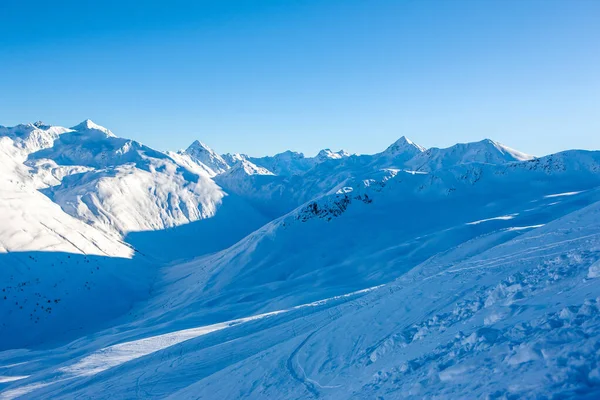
(260, 77)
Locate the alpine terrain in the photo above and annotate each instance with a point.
(444, 273)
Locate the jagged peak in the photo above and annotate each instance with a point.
(200, 150)
(198, 145)
(233, 158)
(328, 154)
(201, 153)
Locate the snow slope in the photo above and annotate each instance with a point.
(466, 272)
(129, 186)
(496, 319)
(68, 199)
(22, 140)
(205, 156)
(370, 232)
(31, 221)
(518, 320)
(52, 266)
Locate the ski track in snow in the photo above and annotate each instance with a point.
(115, 355)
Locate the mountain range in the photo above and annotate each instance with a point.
(461, 272)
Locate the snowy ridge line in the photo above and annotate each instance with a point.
(115, 355)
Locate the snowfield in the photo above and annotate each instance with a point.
(127, 272)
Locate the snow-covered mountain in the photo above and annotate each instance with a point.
(120, 185)
(204, 155)
(465, 272)
(327, 154)
(487, 151)
(53, 266)
(233, 158)
(288, 163)
(401, 151)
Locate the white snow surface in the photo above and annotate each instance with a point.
(126, 272)
(204, 155)
(120, 185)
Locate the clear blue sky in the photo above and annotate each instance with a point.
(263, 76)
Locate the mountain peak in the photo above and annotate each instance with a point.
(289, 155)
(200, 150)
(234, 158)
(201, 153)
(88, 124)
(404, 145)
(508, 151)
(326, 154)
(485, 151)
(196, 144)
